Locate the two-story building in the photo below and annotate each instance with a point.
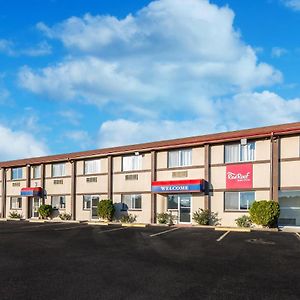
(224, 172)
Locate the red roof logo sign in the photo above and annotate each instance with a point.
(239, 176)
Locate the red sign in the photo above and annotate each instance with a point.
(239, 176)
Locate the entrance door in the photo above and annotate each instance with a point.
(34, 207)
(184, 209)
(95, 201)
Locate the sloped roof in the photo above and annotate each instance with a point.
(259, 132)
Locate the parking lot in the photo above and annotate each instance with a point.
(80, 261)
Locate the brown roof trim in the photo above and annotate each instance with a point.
(254, 133)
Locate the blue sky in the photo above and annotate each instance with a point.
(101, 73)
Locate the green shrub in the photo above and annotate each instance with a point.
(45, 211)
(265, 213)
(65, 216)
(243, 221)
(15, 215)
(106, 209)
(205, 217)
(165, 218)
(128, 218)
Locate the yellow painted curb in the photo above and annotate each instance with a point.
(98, 223)
(3, 220)
(12, 219)
(37, 221)
(133, 225)
(232, 229)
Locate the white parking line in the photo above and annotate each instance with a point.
(163, 232)
(68, 228)
(298, 235)
(222, 236)
(115, 229)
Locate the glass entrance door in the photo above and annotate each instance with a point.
(184, 209)
(95, 201)
(35, 207)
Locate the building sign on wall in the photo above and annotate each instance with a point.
(178, 186)
(32, 192)
(239, 176)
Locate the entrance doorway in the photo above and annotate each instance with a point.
(95, 201)
(35, 205)
(181, 204)
(289, 202)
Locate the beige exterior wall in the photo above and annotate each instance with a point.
(290, 147)
(142, 216)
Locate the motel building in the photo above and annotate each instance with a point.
(223, 172)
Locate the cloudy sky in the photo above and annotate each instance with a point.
(101, 73)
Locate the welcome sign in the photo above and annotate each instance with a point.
(178, 186)
(239, 176)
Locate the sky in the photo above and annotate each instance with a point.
(78, 75)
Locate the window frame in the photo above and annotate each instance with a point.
(52, 169)
(180, 151)
(12, 173)
(60, 203)
(240, 152)
(91, 160)
(239, 201)
(125, 206)
(19, 202)
(33, 172)
(140, 164)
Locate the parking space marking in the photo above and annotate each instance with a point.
(298, 235)
(163, 232)
(68, 228)
(110, 230)
(222, 236)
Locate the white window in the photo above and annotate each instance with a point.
(238, 200)
(58, 202)
(180, 158)
(87, 200)
(132, 202)
(239, 153)
(92, 166)
(16, 202)
(131, 163)
(16, 173)
(58, 170)
(36, 171)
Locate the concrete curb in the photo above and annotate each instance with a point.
(63, 221)
(98, 223)
(37, 221)
(232, 229)
(15, 220)
(133, 225)
(3, 220)
(204, 226)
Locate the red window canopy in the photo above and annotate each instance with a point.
(178, 186)
(32, 192)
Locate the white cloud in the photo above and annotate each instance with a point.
(71, 116)
(244, 110)
(41, 49)
(293, 4)
(278, 52)
(81, 138)
(173, 55)
(19, 144)
(6, 47)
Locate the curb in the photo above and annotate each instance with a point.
(204, 226)
(232, 229)
(63, 221)
(98, 223)
(15, 220)
(37, 221)
(133, 225)
(3, 220)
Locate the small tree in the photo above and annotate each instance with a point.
(205, 217)
(106, 209)
(45, 211)
(265, 213)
